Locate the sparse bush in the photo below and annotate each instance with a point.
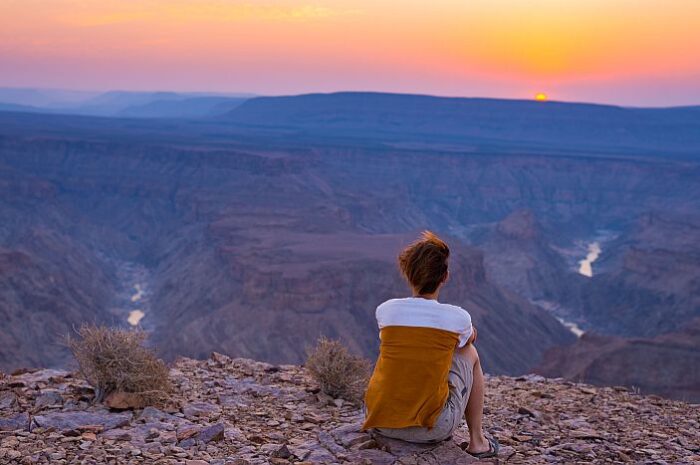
(116, 360)
(339, 373)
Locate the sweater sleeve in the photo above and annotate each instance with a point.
(465, 328)
(379, 314)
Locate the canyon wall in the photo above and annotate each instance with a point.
(253, 239)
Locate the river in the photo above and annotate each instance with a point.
(132, 303)
(136, 314)
(586, 265)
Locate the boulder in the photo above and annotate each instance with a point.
(211, 433)
(124, 400)
(75, 421)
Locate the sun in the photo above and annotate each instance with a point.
(541, 97)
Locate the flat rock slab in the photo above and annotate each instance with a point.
(150, 414)
(48, 399)
(372, 448)
(71, 421)
(403, 448)
(41, 376)
(140, 433)
(8, 400)
(201, 409)
(15, 422)
(373, 457)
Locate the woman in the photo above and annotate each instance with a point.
(428, 374)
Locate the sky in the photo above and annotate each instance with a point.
(629, 52)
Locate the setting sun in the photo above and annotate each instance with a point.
(541, 97)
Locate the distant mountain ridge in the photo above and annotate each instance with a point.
(479, 120)
(120, 103)
(195, 107)
(454, 123)
(14, 107)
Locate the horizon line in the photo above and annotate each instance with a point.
(252, 95)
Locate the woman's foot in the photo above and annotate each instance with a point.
(482, 447)
(477, 444)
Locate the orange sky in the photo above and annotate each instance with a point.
(643, 52)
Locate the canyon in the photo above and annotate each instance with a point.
(254, 231)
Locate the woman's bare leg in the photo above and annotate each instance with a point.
(475, 405)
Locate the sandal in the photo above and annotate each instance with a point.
(492, 452)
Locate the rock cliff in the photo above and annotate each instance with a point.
(595, 358)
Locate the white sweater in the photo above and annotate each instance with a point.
(425, 313)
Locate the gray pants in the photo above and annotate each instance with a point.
(460, 382)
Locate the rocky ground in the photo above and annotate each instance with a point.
(238, 411)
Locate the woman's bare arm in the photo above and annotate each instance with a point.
(472, 338)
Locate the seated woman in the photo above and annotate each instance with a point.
(428, 376)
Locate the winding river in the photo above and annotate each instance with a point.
(586, 265)
(136, 315)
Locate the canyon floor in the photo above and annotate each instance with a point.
(239, 411)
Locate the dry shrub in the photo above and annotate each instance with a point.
(116, 360)
(339, 373)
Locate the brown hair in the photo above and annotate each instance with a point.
(424, 263)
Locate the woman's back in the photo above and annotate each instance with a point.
(417, 341)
